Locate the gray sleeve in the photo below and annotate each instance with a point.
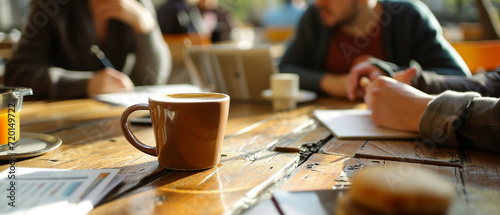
(153, 60)
(462, 120)
(67, 84)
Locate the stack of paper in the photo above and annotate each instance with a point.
(54, 191)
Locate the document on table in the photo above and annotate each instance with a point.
(357, 124)
(318, 202)
(54, 191)
(141, 94)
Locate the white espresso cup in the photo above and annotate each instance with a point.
(285, 90)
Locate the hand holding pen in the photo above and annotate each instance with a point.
(364, 72)
(363, 69)
(99, 54)
(107, 80)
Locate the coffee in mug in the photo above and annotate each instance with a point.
(189, 129)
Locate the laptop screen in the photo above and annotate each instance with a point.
(241, 73)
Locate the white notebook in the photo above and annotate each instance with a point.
(357, 124)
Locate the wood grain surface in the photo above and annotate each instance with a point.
(263, 152)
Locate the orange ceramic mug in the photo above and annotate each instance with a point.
(189, 129)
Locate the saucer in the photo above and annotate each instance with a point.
(31, 145)
(303, 96)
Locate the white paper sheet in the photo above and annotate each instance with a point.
(357, 124)
(52, 191)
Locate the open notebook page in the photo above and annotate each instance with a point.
(357, 124)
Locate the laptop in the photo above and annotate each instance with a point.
(241, 73)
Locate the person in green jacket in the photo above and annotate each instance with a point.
(339, 41)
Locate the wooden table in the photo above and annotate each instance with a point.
(263, 152)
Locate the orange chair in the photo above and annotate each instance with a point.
(479, 55)
(177, 43)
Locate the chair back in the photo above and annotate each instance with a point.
(479, 55)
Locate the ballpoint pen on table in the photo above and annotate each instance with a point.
(94, 49)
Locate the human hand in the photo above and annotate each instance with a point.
(108, 80)
(333, 84)
(396, 105)
(130, 12)
(362, 69)
(405, 76)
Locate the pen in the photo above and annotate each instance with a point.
(94, 49)
(364, 81)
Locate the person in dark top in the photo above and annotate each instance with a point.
(177, 17)
(337, 42)
(218, 21)
(53, 58)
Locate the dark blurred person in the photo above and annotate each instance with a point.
(218, 21)
(53, 56)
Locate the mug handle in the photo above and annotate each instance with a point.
(132, 139)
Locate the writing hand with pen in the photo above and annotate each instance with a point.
(363, 72)
(130, 12)
(393, 101)
(107, 80)
(396, 104)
